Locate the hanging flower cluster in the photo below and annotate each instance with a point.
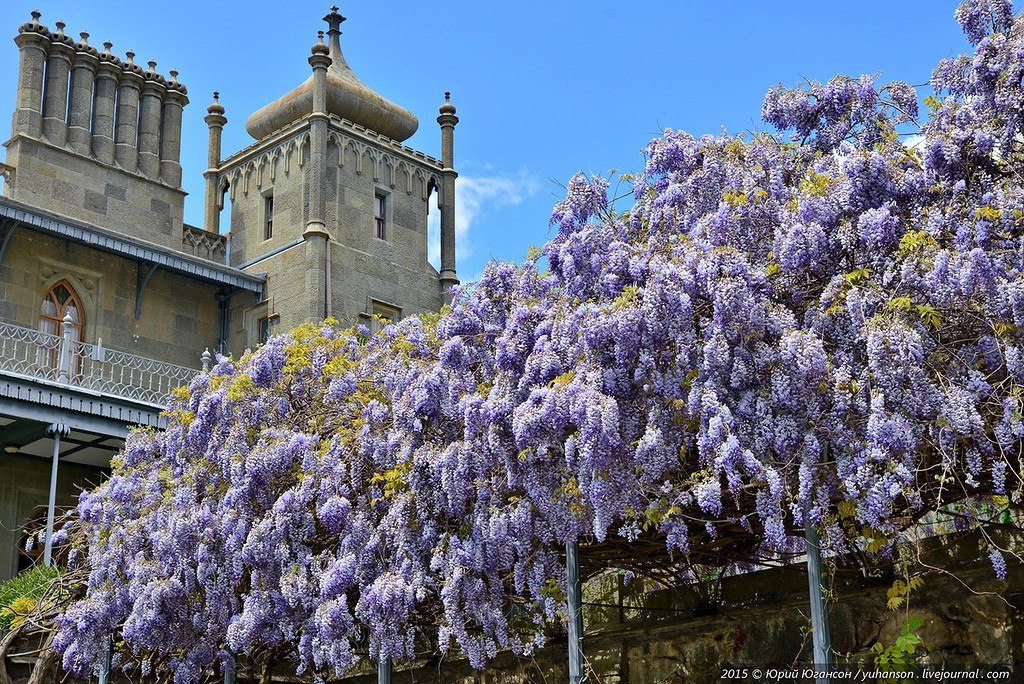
(825, 330)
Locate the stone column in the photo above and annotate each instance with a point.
(83, 74)
(55, 97)
(215, 119)
(447, 120)
(170, 132)
(126, 151)
(316, 235)
(33, 41)
(150, 115)
(108, 73)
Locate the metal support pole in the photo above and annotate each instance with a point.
(56, 431)
(822, 637)
(229, 674)
(384, 670)
(108, 650)
(574, 596)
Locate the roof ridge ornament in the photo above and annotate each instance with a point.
(334, 19)
(338, 63)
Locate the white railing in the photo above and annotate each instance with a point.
(65, 360)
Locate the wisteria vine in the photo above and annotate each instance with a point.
(822, 327)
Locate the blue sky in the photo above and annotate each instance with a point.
(543, 89)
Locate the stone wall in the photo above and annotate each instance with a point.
(393, 272)
(85, 189)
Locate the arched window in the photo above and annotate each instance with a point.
(60, 301)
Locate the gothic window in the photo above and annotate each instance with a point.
(60, 301)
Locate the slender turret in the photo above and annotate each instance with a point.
(215, 119)
(316, 235)
(448, 120)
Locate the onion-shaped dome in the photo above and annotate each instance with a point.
(215, 108)
(447, 107)
(347, 97)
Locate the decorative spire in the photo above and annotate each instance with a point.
(216, 108)
(334, 20)
(319, 48)
(338, 63)
(447, 107)
(152, 75)
(174, 84)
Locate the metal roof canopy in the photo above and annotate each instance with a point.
(178, 262)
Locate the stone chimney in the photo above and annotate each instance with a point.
(96, 138)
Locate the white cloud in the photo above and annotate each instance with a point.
(475, 196)
(912, 141)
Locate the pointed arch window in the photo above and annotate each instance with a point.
(59, 301)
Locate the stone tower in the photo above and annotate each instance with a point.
(330, 204)
(96, 139)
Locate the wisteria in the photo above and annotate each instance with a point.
(822, 326)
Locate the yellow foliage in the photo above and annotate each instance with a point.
(240, 387)
(900, 303)
(180, 416)
(563, 379)
(988, 212)
(395, 480)
(734, 198)
(899, 591)
(816, 184)
(916, 240)
(20, 608)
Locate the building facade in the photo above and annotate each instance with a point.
(108, 299)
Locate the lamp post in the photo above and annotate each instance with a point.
(56, 431)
